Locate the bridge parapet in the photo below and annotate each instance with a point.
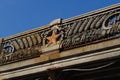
(62, 35)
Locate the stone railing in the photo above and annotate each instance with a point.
(29, 44)
(91, 27)
(61, 35)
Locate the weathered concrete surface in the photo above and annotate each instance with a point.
(56, 54)
(65, 62)
(92, 47)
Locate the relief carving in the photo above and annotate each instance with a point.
(53, 38)
(20, 55)
(111, 20)
(20, 48)
(103, 26)
(54, 35)
(65, 35)
(29, 46)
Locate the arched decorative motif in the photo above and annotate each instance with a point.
(89, 29)
(111, 20)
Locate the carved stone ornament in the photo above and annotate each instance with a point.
(53, 35)
(61, 35)
(21, 48)
(111, 20)
(53, 38)
(85, 31)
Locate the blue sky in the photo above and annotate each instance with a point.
(17, 16)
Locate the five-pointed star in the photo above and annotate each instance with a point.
(53, 38)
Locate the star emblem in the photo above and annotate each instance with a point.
(53, 38)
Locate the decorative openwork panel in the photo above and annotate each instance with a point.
(89, 29)
(62, 35)
(20, 48)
